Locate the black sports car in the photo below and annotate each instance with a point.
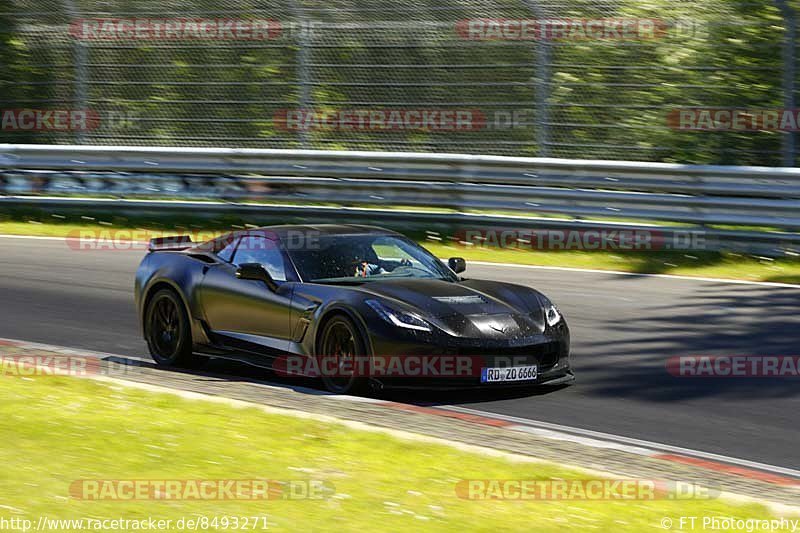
(324, 300)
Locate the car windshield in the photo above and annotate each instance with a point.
(364, 258)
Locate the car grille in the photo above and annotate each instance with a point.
(545, 355)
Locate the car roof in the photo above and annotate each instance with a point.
(282, 231)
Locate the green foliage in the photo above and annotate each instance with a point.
(606, 99)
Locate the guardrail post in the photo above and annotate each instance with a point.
(789, 77)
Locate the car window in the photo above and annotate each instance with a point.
(344, 258)
(257, 249)
(226, 252)
(388, 249)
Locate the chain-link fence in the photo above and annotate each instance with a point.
(602, 79)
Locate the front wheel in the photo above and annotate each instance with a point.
(167, 331)
(341, 345)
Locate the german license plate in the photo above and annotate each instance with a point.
(511, 373)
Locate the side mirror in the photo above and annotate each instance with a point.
(457, 264)
(256, 272)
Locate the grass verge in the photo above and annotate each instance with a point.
(701, 264)
(56, 430)
(697, 264)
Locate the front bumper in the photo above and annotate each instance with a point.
(550, 380)
(549, 351)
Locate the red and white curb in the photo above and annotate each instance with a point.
(766, 473)
(742, 468)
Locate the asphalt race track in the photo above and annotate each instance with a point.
(624, 329)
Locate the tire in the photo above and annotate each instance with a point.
(168, 332)
(340, 338)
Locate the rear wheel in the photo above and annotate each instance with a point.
(342, 348)
(167, 331)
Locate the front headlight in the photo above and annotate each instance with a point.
(398, 318)
(552, 315)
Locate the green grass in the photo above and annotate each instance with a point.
(700, 264)
(56, 430)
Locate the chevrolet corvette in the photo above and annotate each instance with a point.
(282, 295)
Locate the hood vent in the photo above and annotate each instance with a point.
(461, 300)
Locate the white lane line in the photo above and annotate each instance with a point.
(620, 273)
(579, 435)
(33, 237)
(532, 267)
(586, 441)
(65, 239)
(70, 351)
(215, 375)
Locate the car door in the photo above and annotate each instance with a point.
(246, 313)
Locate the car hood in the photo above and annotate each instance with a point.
(471, 308)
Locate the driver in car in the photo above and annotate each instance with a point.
(364, 268)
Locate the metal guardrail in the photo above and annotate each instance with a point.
(654, 192)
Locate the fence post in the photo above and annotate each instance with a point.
(81, 69)
(789, 76)
(543, 55)
(304, 36)
(542, 85)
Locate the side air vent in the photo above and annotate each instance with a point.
(203, 257)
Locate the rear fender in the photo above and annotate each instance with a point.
(180, 273)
